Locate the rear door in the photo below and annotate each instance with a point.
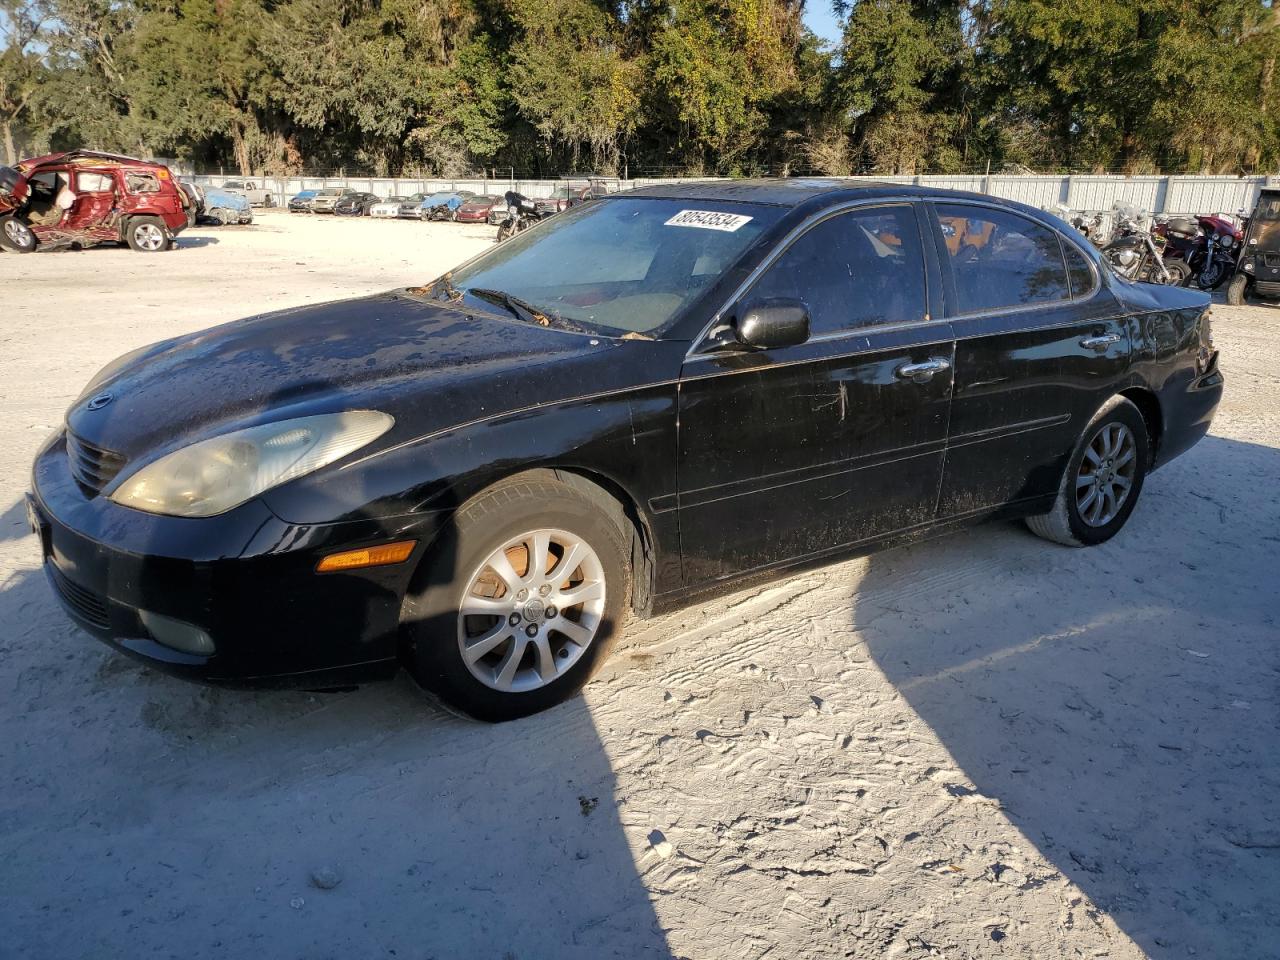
(1040, 345)
(95, 192)
(789, 453)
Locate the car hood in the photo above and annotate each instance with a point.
(428, 365)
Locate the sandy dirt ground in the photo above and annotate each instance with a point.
(980, 746)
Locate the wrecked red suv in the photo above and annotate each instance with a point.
(84, 198)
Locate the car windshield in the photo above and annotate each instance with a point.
(1269, 208)
(628, 265)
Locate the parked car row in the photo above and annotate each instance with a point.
(512, 211)
(464, 206)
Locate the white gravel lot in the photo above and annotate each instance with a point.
(981, 746)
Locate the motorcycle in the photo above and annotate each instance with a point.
(1087, 224)
(1208, 245)
(1135, 252)
(522, 214)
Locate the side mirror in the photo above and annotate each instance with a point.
(766, 324)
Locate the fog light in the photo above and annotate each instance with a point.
(1248, 266)
(174, 633)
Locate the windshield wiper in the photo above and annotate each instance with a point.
(520, 308)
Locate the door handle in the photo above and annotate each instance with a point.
(922, 372)
(1100, 343)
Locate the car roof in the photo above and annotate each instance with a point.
(794, 191)
(83, 156)
(809, 195)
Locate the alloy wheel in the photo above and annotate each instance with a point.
(1106, 474)
(17, 231)
(531, 610)
(149, 236)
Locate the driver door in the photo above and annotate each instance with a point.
(789, 453)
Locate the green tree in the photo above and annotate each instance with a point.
(198, 71)
(901, 80)
(23, 26)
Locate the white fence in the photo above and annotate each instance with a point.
(1157, 195)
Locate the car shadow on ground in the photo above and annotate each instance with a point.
(144, 811)
(1126, 723)
(193, 243)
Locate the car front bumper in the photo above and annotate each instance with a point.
(246, 580)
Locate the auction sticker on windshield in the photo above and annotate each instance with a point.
(708, 220)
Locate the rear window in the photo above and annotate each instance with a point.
(93, 183)
(1000, 259)
(626, 265)
(1078, 272)
(141, 183)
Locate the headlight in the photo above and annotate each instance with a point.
(214, 475)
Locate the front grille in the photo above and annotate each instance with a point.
(1266, 289)
(92, 467)
(84, 603)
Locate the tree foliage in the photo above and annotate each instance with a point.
(701, 86)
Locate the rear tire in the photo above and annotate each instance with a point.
(1112, 458)
(488, 562)
(16, 236)
(147, 235)
(1237, 290)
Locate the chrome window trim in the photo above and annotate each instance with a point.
(785, 243)
(949, 338)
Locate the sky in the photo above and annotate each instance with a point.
(819, 18)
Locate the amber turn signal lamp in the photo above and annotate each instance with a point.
(397, 552)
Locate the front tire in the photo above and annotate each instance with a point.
(514, 610)
(1102, 481)
(1237, 290)
(16, 236)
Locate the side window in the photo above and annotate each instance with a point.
(853, 270)
(142, 183)
(1001, 259)
(1079, 272)
(93, 183)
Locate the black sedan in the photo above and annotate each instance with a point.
(639, 401)
(356, 204)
